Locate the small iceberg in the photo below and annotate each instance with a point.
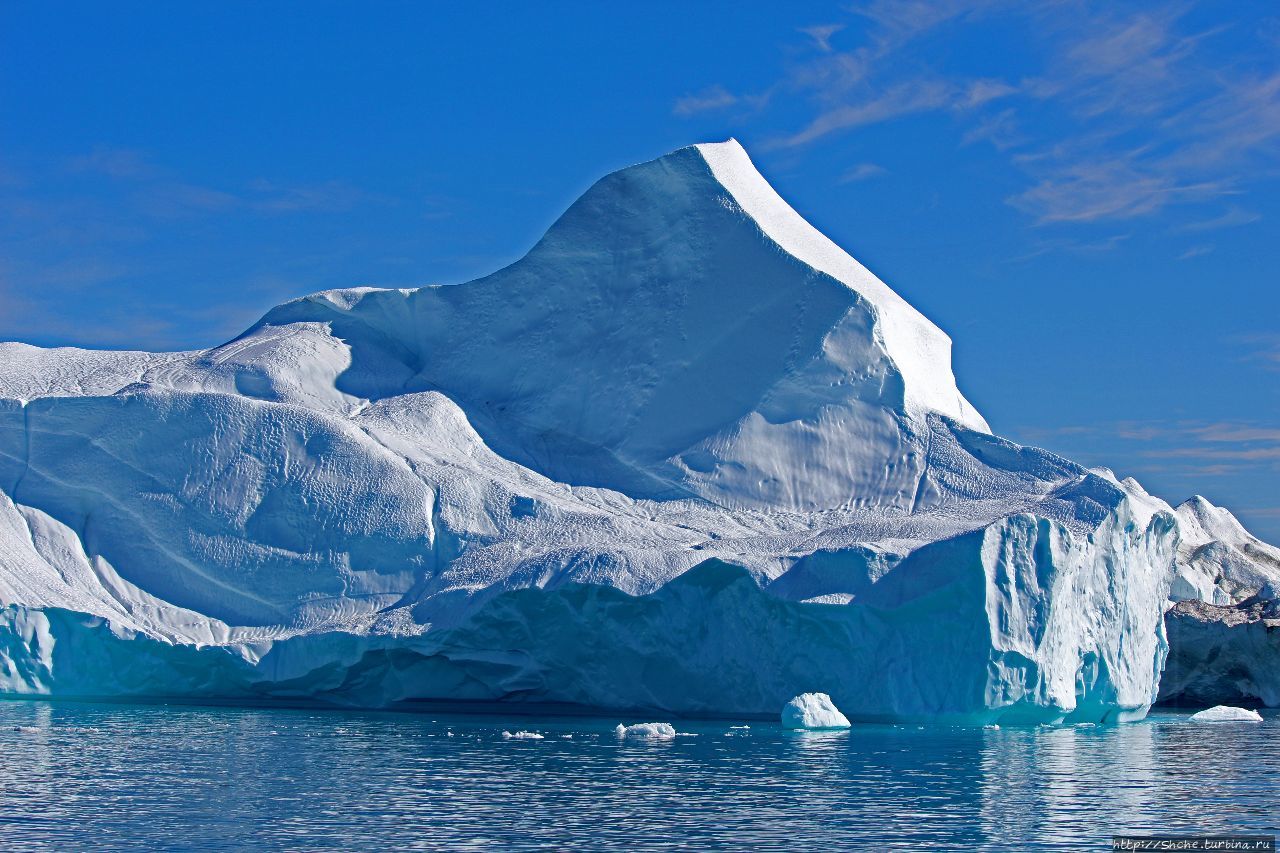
(1226, 714)
(522, 735)
(658, 731)
(813, 711)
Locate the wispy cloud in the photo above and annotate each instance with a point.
(1263, 349)
(1235, 454)
(1195, 252)
(1072, 245)
(980, 92)
(708, 100)
(1089, 190)
(1233, 217)
(1201, 447)
(903, 99)
(862, 172)
(821, 35)
(1232, 432)
(1001, 130)
(1112, 114)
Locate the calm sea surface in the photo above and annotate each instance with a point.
(147, 777)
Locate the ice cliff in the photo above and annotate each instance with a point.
(686, 455)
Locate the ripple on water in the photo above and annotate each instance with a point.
(75, 774)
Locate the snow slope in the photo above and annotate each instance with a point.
(679, 332)
(1219, 561)
(686, 455)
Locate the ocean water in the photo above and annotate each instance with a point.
(155, 777)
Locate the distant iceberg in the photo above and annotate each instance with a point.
(1226, 714)
(657, 731)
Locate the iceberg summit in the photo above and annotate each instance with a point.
(686, 456)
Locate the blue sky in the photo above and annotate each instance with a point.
(1083, 194)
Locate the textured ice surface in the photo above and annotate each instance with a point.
(657, 731)
(1226, 714)
(1219, 561)
(686, 455)
(813, 711)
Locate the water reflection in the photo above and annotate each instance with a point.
(120, 776)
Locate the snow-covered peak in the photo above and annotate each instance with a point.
(678, 331)
(1221, 562)
(920, 349)
(1203, 522)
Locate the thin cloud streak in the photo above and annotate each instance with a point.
(862, 172)
(708, 100)
(1195, 252)
(1233, 217)
(1156, 116)
(821, 35)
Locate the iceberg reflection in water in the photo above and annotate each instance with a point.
(148, 776)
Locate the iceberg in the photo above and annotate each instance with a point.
(813, 711)
(656, 731)
(1226, 714)
(687, 455)
(1223, 642)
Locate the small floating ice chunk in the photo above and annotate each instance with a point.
(813, 711)
(739, 727)
(659, 731)
(1226, 714)
(992, 726)
(522, 735)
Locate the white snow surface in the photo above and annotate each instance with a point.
(921, 351)
(1226, 714)
(813, 711)
(656, 731)
(1219, 561)
(686, 455)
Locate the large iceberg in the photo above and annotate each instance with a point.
(687, 455)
